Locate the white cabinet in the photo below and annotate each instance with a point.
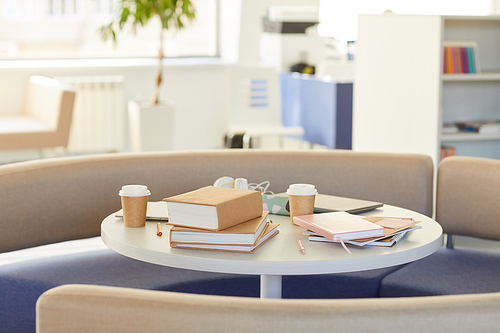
(401, 96)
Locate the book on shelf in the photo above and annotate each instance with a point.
(394, 231)
(448, 151)
(339, 226)
(245, 233)
(481, 127)
(270, 230)
(214, 208)
(489, 127)
(460, 57)
(450, 128)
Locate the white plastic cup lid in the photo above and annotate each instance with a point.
(134, 191)
(302, 189)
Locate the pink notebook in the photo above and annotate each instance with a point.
(339, 226)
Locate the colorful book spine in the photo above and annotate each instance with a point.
(449, 62)
(459, 59)
(448, 151)
(453, 60)
(465, 59)
(445, 60)
(471, 60)
(460, 65)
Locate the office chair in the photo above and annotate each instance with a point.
(45, 118)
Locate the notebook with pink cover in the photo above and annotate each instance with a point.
(339, 226)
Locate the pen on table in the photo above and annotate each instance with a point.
(158, 229)
(301, 246)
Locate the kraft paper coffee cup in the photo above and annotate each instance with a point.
(134, 204)
(301, 199)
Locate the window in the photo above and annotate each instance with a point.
(43, 29)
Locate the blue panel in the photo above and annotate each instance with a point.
(318, 111)
(290, 99)
(344, 116)
(324, 109)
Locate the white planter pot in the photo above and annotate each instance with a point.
(151, 126)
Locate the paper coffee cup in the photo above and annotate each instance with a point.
(301, 199)
(134, 204)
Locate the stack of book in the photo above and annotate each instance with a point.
(482, 127)
(448, 151)
(450, 128)
(460, 57)
(347, 228)
(219, 219)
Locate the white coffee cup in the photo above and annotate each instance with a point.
(301, 199)
(134, 204)
(302, 189)
(134, 191)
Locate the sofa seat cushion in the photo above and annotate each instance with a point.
(346, 285)
(446, 272)
(364, 284)
(26, 274)
(23, 282)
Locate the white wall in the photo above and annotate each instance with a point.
(252, 12)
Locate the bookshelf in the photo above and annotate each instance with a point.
(401, 95)
(473, 77)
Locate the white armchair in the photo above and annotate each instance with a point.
(45, 118)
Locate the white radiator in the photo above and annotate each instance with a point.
(98, 115)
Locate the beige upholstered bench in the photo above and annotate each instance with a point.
(105, 309)
(56, 206)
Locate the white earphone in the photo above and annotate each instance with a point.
(241, 183)
(229, 182)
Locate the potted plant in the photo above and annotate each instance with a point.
(144, 117)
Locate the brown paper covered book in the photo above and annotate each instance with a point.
(214, 208)
(245, 233)
(269, 231)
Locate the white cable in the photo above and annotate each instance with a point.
(262, 187)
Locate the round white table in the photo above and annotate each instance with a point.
(280, 255)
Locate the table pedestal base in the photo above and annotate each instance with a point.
(270, 286)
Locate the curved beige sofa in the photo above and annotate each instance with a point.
(99, 309)
(65, 199)
(53, 200)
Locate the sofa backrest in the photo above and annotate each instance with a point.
(468, 190)
(53, 200)
(80, 308)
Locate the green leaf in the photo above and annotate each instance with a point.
(173, 14)
(124, 15)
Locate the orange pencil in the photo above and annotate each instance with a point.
(301, 246)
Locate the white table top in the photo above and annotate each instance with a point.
(280, 255)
